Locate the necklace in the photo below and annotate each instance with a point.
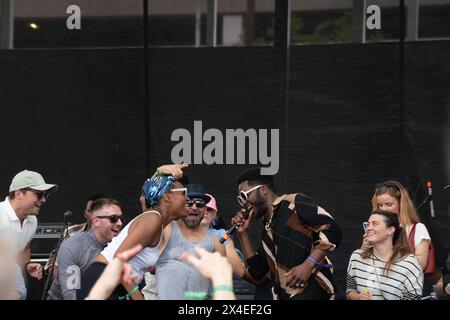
(269, 222)
(376, 275)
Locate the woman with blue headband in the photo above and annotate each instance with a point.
(165, 200)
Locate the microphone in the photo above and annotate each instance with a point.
(430, 195)
(234, 227)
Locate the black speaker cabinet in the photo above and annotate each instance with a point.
(43, 242)
(45, 239)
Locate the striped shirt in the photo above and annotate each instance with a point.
(404, 281)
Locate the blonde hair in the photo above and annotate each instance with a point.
(408, 214)
(400, 245)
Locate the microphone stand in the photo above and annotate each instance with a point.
(49, 279)
(426, 200)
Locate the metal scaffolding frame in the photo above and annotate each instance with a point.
(7, 24)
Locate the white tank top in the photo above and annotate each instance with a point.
(146, 258)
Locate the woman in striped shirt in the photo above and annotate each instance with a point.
(386, 270)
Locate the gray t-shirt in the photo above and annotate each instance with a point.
(173, 276)
(76, 254)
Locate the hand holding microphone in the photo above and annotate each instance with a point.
(240, 222)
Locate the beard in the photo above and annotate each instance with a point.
(192, 222)
(260, 207)
(260, 211)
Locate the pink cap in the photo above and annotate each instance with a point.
(212, 203)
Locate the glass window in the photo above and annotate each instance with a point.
(177, 23)
(333, 22)
(434, 19)
(98, 23)
(320, 22)
(389, 23)
(246, 22)
(184, 22)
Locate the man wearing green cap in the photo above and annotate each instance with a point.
(27, 194)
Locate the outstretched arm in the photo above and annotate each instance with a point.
(118, 270)
(175, 170)
(145, 231)
(215, 267)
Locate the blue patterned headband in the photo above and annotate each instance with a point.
(154, 188)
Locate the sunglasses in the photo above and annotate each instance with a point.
(242, 198)
(39, 194)
(387, 185)
(180, 190)
(200, 203)
(113, 218)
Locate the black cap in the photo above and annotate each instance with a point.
(254, 174)
(197, 191)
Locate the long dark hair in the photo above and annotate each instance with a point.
(399, 242)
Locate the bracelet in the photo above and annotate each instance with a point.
(201, 295)
(129, 293)
(316, 263)
(222, 287)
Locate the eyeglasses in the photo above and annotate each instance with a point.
(112, 218)
(180, 190)
(242, 198)
(200, 203)
(39, 194)
(387, 185)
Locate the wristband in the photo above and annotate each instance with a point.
(316, 263)
(222, 287)
(129, 293)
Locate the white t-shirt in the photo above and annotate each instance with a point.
(421, 233)
(144, 259)
(19, 235)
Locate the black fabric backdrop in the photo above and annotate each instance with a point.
(349, 116)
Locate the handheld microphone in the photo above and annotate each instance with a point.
(234, 227)
(430, 195)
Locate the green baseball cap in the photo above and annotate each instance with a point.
(31, 179)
